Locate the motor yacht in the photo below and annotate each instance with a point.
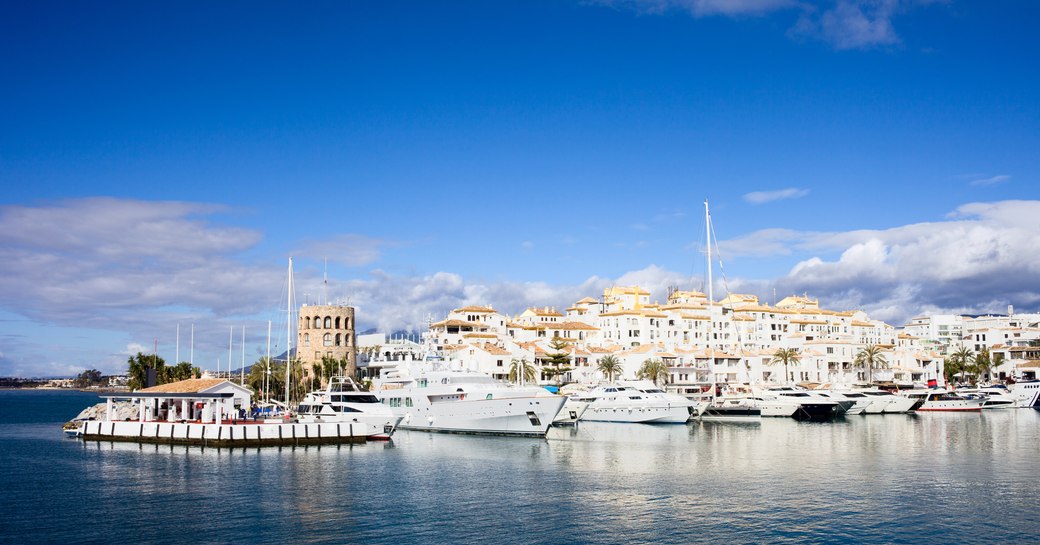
(635, 402)
(1026, 393)
(434, 398)
(571, 412)
(993, 397)
(811, 405)
(344, 401)
(885, 402)
(942, 400)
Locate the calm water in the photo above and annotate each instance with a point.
(869, 479)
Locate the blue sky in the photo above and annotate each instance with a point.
(160, 163)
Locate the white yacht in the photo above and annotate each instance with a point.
(993, 397)
(942, 400)
(571, 412)
(636, 402)
(885, 402)
(344, 401)
(455, 401)
(811, 405)
(1026, 393)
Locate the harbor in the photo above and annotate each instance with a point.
(893, 478)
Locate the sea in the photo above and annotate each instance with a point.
(926, 478)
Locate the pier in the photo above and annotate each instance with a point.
(248, 434)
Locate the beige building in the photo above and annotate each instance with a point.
(326, 331)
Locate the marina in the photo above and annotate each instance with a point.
(660, 484)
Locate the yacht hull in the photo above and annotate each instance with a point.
(520, 416)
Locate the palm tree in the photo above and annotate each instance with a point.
(958, 363)
(610, 366)
(786, 356)
(871, 357)
(654, 370)
(983, 364)
(528, 370)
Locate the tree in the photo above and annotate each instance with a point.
(559, 359)
(182, 371)
(137, 369)
(983, 364)
(653, 370)
(871, 357)
(91, 377)
(257, 372)
(610, 366)
(786, 356)
(528, 370)
(958, 363)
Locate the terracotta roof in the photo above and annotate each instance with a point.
(495, 350)
(189, 386)
(457, 323)
(571, 325)
(474, 308)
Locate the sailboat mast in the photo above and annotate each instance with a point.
(267, 375)
(243, 381)
(711, 301)
(288, 334)
(230, 340)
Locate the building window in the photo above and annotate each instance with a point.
(327, 339)
(307, 340)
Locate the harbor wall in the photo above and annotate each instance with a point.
(226, 435)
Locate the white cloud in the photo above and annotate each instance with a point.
(348, 249)
(762, 197)
(985, 256)
(992, 180)
(704, 8)
(845, 24)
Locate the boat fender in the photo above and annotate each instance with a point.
(462, 396)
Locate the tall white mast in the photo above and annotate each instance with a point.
(267, 376)
(711, 302)
(288, 334)
(243, 381)
(230, 338)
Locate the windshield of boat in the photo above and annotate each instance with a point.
(355, 398)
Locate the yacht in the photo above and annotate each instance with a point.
(431, 398)
(635, 402)
(811, 405)
(993, 397)
(942, 400)
(571, 412)
(1026, 393)
(344, 401)
(885, 402)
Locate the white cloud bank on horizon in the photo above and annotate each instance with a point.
(81, 265)
(845, 24)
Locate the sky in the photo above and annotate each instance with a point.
(159, 164)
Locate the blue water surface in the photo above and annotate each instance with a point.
(868, 479)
